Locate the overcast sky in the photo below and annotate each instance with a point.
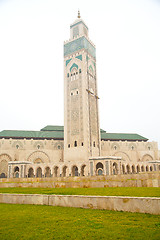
(127, 38)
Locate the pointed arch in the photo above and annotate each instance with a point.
(56, 171)
(115, 168)
(83, 170)
(138, 168)
(128, 169)
(123, 169)
(30, 172)
(39, 172)
(74, 65)
(133, 169)
(99, 168)
(47, 172)
(74, 171)
(123, 155)
(64, 171)
(146, 158)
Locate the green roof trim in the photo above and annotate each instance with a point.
(57, 132)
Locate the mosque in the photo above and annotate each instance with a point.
(80, 147)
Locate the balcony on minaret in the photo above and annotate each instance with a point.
(78, 28)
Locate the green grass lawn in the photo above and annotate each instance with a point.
(112, 191)
(48, 222)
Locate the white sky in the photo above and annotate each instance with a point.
(127, 38)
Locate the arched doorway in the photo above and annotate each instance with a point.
(75, 171)
(56, 171)
(115, 168)
(142, 168)
(3, 166)
(82, 170)
(16, 172)
(123, 169)
(30, 173)
(133, 169)
(138, 169)
(39, 172)
(128, 169)
(99, 169)
(47, 172)
(3, 175)
(64, 171)
(151, 168)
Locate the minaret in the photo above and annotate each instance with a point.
(81, 121)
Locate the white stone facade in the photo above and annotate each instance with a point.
(81, 152)
(46, 158)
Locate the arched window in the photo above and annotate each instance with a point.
(74, 74)
(75, 143)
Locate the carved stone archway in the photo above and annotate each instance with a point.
(123, 155)
(147, 158)
(4, 159)
(38, 155)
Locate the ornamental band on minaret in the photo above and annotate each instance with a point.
(81, 120)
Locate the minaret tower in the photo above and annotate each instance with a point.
(81, 121)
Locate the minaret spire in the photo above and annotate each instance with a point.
(79, 14)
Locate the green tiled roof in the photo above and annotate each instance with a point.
(32, 134)
(57, 132)
(53, 128)
(122, 136)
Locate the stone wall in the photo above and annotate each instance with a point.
(150, 179)
(128, 204)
